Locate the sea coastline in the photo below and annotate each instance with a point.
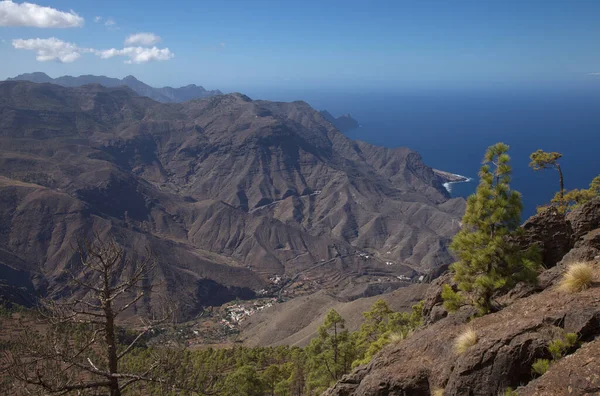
(448, 179)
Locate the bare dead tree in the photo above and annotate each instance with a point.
(79, 352)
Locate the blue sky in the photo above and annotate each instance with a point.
(237, 44)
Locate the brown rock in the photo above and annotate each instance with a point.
(509, 341)
(433, 309)
(576, 374)
(585, 218)
(551, 232)
(587, 248)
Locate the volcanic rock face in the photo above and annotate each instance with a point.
(577, 374)
(508, 341)
(224, 189)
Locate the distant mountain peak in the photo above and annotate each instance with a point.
(343, 123)
(164, 95)
(130, 78)
(38, 77)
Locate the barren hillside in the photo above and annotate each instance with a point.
(227, 192)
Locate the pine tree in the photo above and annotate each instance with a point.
(543, 160)
(381, 326)
(488, 259)
(244, 381)
(330, 355)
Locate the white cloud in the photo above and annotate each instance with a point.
(144, 39)
(137, 55)
(51, 49)
(108, 22)
(33, 15)
(595, 74)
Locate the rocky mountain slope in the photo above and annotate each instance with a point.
(227, 192)
(165, 94)
(509, 341)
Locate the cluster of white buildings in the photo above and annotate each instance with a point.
(237, 313)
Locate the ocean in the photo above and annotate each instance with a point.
(452, 129)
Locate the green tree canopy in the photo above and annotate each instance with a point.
(381, 325)
(544, 160)
(488, 261)
(244, 381)
(330, 354)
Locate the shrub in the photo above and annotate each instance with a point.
(465, 340)
(452, 300)
(578, 277)
(510, 392)
(559, 347)
(540, 366)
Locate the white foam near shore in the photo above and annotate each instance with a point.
(448, 185)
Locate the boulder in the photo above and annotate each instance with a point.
(587, 248)
(433, 309)
(585, 218)
(551, 232)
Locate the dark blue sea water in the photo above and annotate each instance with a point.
(452, 129)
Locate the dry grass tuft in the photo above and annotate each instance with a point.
(437, 392)
(397, 337)
(578, 277)
(465, 340)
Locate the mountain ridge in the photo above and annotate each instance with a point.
(164, 94)
(238, 191)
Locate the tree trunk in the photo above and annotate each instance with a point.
(110, 338)
(562, 186)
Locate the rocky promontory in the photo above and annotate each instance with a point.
(508, 342)
(343, 123)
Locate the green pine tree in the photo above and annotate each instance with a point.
(382, 326)
(488, 262)
(543, 160)
(330, 354)
(244, 381)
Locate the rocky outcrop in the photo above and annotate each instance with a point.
(585, 218)
(586, 248)
(556, 234)
(508, 343)
(433, 309)
(576, 374)
(343, 123)
(552, 232)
